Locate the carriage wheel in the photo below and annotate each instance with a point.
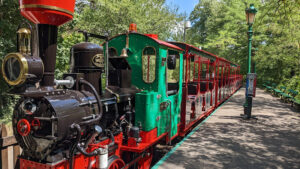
(115, 163)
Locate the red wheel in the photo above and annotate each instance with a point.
(23, 127)
(36, 123)
(115, 162)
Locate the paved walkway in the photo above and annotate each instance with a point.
(226, 141)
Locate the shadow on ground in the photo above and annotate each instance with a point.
(227, 141)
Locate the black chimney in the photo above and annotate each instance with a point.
(47, 35)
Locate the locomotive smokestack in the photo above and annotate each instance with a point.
(48, 15)
(47, 40)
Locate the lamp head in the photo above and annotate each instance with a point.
(250, 14)
(187, 24)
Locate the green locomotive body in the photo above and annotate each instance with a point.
(157, 106)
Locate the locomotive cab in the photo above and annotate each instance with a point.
(156, 70)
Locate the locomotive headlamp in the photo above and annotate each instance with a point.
(18, 69)
(14, 69)
(250, 14)
(24, 40)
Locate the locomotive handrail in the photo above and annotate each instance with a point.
(87, 35)
(171, 92)
(82, 81)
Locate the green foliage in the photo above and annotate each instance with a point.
(65, 40)
(219, 26)
(114, 16)
(10, 18)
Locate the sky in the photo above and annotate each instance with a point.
(184, 5)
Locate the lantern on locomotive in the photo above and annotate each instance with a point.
(22, 67)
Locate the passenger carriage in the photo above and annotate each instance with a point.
(208, 80)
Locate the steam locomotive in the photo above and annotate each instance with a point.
(118, 101)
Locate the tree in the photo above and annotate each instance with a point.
(10, 18)
(151, 16)
(219, 26)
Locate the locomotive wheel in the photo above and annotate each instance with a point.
(23, 127)
(115, 163)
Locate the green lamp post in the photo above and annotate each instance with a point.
(250, 16)
(251, 77)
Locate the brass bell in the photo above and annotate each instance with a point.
(124, 53)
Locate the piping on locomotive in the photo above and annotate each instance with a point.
(113, 107)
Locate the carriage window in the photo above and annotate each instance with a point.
(184, 69)
(192, 68)
(220, 72)
(203, 71)
(196, 70)
(226, 71)
(149, 64)
(112, 52)
(211, 71)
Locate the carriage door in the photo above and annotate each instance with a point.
(173, 85)
(192, 101)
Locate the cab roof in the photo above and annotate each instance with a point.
(160, 42)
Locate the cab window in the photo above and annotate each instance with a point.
(112, 52)
(148, 64)
(173, 75)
